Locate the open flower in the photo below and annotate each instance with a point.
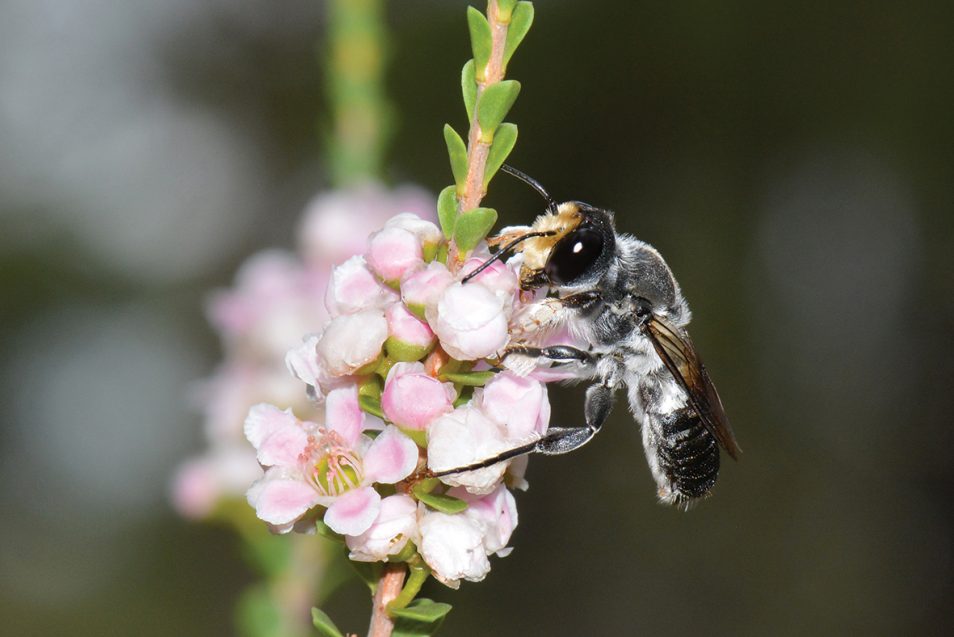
(333, 465)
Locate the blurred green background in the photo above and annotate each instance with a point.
(792, 161)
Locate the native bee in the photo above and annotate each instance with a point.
(616, 294)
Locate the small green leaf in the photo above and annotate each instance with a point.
(468, 86)
(447, 210)
(371, 405)
(470, 379)
(504, 140)
(472, 227)
(423, 610)
(326, 627)
(369, 572)
(493, 106)
(504, 9)
(457, 151)
(427, 485)
(465, 395)
(442, 503)
(481, 39)
(520, 21)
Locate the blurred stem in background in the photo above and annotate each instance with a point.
(361, 114)
(298, 570)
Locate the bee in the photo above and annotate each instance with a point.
(617, 294)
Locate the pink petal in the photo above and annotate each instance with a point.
(392, 457)
(354, 512)
(263, 420)
(282, 447)
(343, 413)
(279, 500)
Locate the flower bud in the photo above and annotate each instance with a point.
(422, 287)
(470, 322)
(352, 342)
(409, 338)
(393, 251)
(412, 399)
(353, 288)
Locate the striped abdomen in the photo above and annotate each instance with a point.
(688, 455)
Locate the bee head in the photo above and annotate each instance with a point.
(581, 254)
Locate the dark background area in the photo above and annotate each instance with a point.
(792, 161)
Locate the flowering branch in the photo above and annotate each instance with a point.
(488, 98)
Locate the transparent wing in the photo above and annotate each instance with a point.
(676, 350)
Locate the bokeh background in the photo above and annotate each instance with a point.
(793, 161)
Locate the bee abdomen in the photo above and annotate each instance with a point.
(688, 454)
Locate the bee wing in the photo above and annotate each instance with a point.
(676, 350)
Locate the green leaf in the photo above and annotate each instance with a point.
(442, 503)
(470, 379)
(504, 9)
(326, 627)
(472, 227)
(457, 151)
(493, 106)
(423, 610)
(504, 140)
(468, 86)
(520, 21)
(447, 210)
(481, 39)
(371, 405)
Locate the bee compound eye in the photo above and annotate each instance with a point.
(574, 255)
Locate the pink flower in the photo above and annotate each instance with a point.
(499, 278)
(495, 514)
(409, 338)
(470, 321)
(412, 399)
(353, 288)
(333, 466)
(520, 404)
(463, 437)
(201, 483)
(352, 342)
(395, 525)
(392, 251)
(336, 225)
(274, 299)
(421, 288)
(453, 547)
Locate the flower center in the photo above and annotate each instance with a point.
(332, 468)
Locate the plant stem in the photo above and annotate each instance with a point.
(360, 111)
(389, 587)
(477, 151)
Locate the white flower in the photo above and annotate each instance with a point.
(453, 546)
(352, 341)
(463, 437)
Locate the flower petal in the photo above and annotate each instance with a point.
(279, 499)
(263, 420)
(392, 457)
(354, 512)
(343, 413)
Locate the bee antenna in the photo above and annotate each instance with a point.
(533, 183)
(503, 252)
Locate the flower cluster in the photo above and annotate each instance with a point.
(402, 386)
(277, 297)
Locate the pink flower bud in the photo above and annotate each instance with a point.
(351, 342)
(498, 278)
(392, 252)
(353, 288)
(426, 232)
(421, 288)
(470, 321)
(518, 403)
(409, 338)
(412, 399)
